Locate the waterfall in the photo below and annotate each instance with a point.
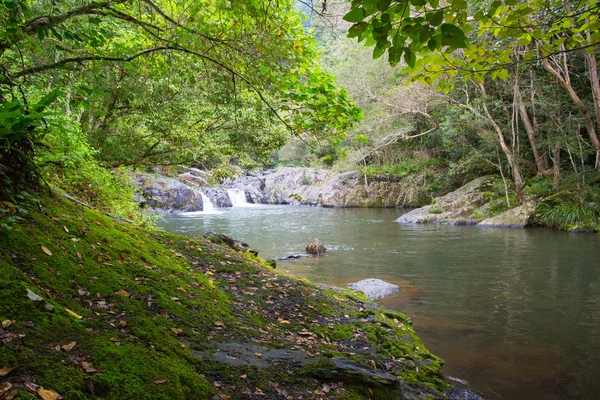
(207, 205)
(237, 197)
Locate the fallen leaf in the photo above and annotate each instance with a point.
(122, 293)
(6, 323)
(176, 331)
(224, 397)
(45, 250)
(243, 376)
(175, 298)
(258, 354)
(220, 324)
(7, 391)
(159, 380)
(114, 340)
(73, 313)
(79, 256)
(48, 394)
(181, 289)
(32, 387)
(66, 229)
(7, 370)
(69, 346)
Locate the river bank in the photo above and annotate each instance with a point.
(511, 311)
(482, 201)
(94, 307)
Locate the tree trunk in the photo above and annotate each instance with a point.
(541, 162)
(589, 123)
(556, 162)
(510, 156)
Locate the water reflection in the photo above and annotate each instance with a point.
(514, 312)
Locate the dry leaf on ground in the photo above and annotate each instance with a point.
(7, 370)
(45, 250)
(69, 346)
(48, 394)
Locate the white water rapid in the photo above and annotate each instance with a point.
(237, 197)
(207, 205)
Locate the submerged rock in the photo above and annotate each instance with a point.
(374, 288)
(315, 247)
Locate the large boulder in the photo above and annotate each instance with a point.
(374, 288)
(518, 217)
(325, 188)
(315, 247)
(467, 205)
(167, 194)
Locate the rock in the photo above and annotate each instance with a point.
(217, 196)
(351, 371)
(293, 257)
(467, 205)
(191, 179)
(374, 288)
(518, 217)
(325, 188)
(38, 299)
(33, 296)
(167, 194)
(460, 393)
(315, 247)
(236, 245)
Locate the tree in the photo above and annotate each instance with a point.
(154, 80)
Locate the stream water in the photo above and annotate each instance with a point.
(515, 313)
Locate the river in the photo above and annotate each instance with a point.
(515, 313)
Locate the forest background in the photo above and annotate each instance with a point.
(450, 91)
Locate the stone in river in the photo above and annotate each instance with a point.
(374, 288)
(315, 247)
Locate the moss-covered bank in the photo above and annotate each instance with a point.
(132, 313)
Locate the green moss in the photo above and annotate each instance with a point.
(149, 300)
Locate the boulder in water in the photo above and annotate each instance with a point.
(374, 288)
(315, 247)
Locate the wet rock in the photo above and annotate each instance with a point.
(315, 247)
(518, 217)
(293, 257)
(461, 393)
(351, 371)
(217, 196)
(374, 288)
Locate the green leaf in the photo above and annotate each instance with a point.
(355, 15)
(435, 18)
(453, 36)
(409, 57)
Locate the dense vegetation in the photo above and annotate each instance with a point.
(472, 89)
(90, 86)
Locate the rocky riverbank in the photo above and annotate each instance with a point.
(92, 307)
(481, 202)
(183, 192)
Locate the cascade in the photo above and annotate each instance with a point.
(237, 197)
(207, 205)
